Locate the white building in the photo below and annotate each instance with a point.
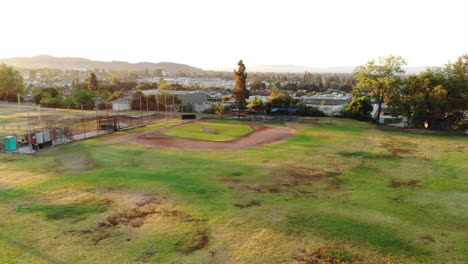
(330, 104)
(122, 104)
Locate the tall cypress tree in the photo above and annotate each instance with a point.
(93, 82)
(241, 94)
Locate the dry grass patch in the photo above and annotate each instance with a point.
(73, 162)
(11, 177)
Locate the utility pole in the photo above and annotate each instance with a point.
(165, 107)
(84, 127)
(173, 110)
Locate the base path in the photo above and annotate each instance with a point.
(262, 135)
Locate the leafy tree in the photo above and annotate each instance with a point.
(256, 104)
(93, 83)
(257, 83)
(84, 98)
(456, 84)
(68, 101)
(422, 99)
(305, 110)
(359, 108)
(380, 79)
(220, 109)
(50, 97)
(241, 94)
(438, 96)
(225, 99)
(147, 86)
(280, 101)
(165, 86)
(117, 95)
(11, 83)
(51, 101)
(162, 81)
(274, 91)
(106, 97)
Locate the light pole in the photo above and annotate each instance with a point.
(19, 102)
(157, 106)
(141, 111)
(147, 109)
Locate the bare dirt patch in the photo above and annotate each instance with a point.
(297, 175)
(196, 240)
(459, 148)
(394, 183)
(134, 217)
(262, 135)
(324, 256)
(292, 177)
(427, 238)
(395, 146)
(137, 214)
(249, 204)
(396, 150)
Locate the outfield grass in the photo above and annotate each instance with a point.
(209, 131)
(341, 189)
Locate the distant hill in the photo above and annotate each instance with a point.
(302, 69)
(298, 69)
(70, 63)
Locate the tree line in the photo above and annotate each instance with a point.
(436, 97)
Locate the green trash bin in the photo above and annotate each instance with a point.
(10, 143)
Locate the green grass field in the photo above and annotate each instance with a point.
(209, 131)
(338, 191)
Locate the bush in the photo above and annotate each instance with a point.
(359, 108)
(312, 111)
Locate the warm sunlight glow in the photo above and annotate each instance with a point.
(215, 34)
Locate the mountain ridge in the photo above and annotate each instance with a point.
(70, 63)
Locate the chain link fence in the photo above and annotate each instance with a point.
(27, 130)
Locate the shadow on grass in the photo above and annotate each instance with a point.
(374, 236)
(366, 155)
(55, 212)
(29, 250)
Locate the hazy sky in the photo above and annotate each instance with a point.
(217, 33)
